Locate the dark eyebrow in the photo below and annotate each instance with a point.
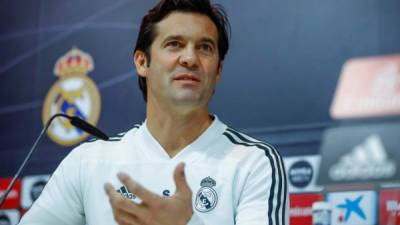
(172, 37)
(180, 37)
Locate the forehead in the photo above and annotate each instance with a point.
(188, 25)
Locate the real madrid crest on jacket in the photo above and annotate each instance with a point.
(206, 198)
(75, 94)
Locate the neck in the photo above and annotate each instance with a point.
(174, 129)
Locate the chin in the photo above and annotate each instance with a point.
(188, 100)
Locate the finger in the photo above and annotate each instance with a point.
(124, 218)
(116, 200)
(145, 195)
(139, 211)
(112, 194)
(180, 180)
(125, 211)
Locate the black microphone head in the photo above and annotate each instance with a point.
(88, 128)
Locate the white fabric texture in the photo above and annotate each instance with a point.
(234, 179)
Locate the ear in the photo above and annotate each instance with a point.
(140, 60)
(219, 72)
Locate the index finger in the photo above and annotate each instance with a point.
(137, 189)
(112, 194)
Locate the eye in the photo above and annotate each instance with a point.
(173, 44)
(207, 48)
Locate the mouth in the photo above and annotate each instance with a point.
(187, 78)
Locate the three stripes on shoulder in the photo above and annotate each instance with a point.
(118, 137)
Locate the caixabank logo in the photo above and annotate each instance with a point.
(74, 94)
(353, 208)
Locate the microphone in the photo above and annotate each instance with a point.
(75, 121)
(87, 127)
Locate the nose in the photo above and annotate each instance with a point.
(189, 58)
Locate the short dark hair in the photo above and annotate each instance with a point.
(147, 32)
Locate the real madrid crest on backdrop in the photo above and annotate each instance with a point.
(74, 94)
(206, 197)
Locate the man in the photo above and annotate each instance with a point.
(182, 165)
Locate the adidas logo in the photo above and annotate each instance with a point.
(125, 193)
(367, 160)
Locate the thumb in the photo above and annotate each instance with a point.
(182, 187)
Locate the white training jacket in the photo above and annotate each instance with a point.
(234, 179)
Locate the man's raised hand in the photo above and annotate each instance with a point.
(154, 209)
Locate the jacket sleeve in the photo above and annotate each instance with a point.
(61, 200)
(264, 196)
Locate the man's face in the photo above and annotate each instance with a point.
(184, 67)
